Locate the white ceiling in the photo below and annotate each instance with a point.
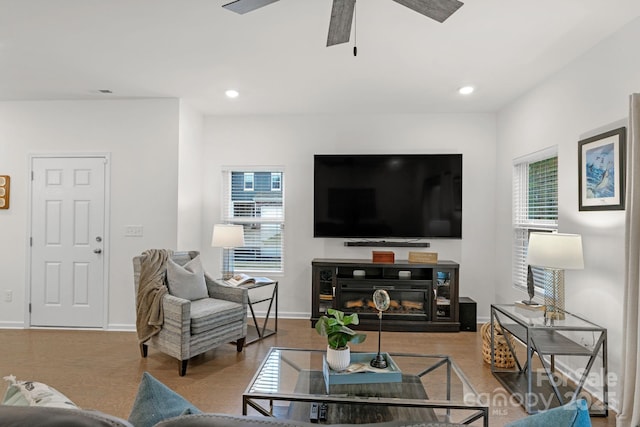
(276, 56)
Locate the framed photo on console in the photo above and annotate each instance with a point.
(601, 168)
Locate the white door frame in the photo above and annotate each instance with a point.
(107, 233)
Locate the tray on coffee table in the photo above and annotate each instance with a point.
(360, 371)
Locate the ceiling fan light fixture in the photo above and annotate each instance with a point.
(243, 6)
(466, 90)
(342, 12)
(439, 10)
(232, 93)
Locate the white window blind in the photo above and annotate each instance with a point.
(535, 207)
(259, 208)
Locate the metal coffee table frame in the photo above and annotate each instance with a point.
(265, 386)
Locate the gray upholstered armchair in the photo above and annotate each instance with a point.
(191, 327)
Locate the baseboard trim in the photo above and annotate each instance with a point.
(12, 325)
(121, 327)
(126, 327)
(482, 320)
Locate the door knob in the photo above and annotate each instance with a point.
(97, 251)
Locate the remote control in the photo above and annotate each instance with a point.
(322, 412)
(313, 414)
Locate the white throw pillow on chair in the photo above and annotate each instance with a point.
(187, 281)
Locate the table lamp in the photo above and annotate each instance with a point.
(555, 252)
(227, 237)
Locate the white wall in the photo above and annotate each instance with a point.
(142, 138)
(190, 164)
(591, 93)
(292, 141)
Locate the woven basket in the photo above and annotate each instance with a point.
(503, 356)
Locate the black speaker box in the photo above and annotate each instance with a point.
(468, 314)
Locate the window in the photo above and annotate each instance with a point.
(276, 181)
(535, 208)
(260, 211)
(248, 181)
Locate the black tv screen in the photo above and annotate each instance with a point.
(388, 196)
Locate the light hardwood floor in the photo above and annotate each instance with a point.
(101, 370)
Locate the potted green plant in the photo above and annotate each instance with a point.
(339, 335)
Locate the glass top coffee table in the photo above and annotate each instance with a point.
(290, 382)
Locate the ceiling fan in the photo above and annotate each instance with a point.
(342, 13)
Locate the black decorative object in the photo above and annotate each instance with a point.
(381, 300)
(530, 286)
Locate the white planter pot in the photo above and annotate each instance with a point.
(338, 360)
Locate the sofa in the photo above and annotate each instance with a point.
(11, 416)
(29, 403)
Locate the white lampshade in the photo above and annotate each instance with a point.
(555, 251)
(227, 236)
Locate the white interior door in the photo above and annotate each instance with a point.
(67, 232)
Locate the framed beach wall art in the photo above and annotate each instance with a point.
(601, 164)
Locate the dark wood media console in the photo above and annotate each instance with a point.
(424, 297)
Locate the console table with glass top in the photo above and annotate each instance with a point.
(570, 336)
(433, 388)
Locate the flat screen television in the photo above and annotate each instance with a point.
(387, 196)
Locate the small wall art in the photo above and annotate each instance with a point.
(601, 164)
(4, 191)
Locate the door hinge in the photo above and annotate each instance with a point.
(30, 241)
(32, 175)
(29, 307)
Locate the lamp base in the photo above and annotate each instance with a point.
(554, 314)
(227, 267)
(554, 295)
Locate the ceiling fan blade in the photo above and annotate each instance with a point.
(439, 10)
(244, 6)
(341, 19)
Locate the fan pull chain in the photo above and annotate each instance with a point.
(355, 29)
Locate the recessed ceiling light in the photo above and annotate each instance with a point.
(232, 93)
(466, 90)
